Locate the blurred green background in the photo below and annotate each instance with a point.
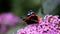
(21, 8)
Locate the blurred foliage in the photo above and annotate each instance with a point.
(49, 5)
(5, 6)
(56, 11)
(21, 7)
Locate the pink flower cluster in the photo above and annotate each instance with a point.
(47, 25)
(7, 19)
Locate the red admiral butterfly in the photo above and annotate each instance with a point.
(32, 18)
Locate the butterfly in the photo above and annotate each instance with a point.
(31, 18)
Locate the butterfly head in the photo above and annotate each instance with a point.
(30, 12)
